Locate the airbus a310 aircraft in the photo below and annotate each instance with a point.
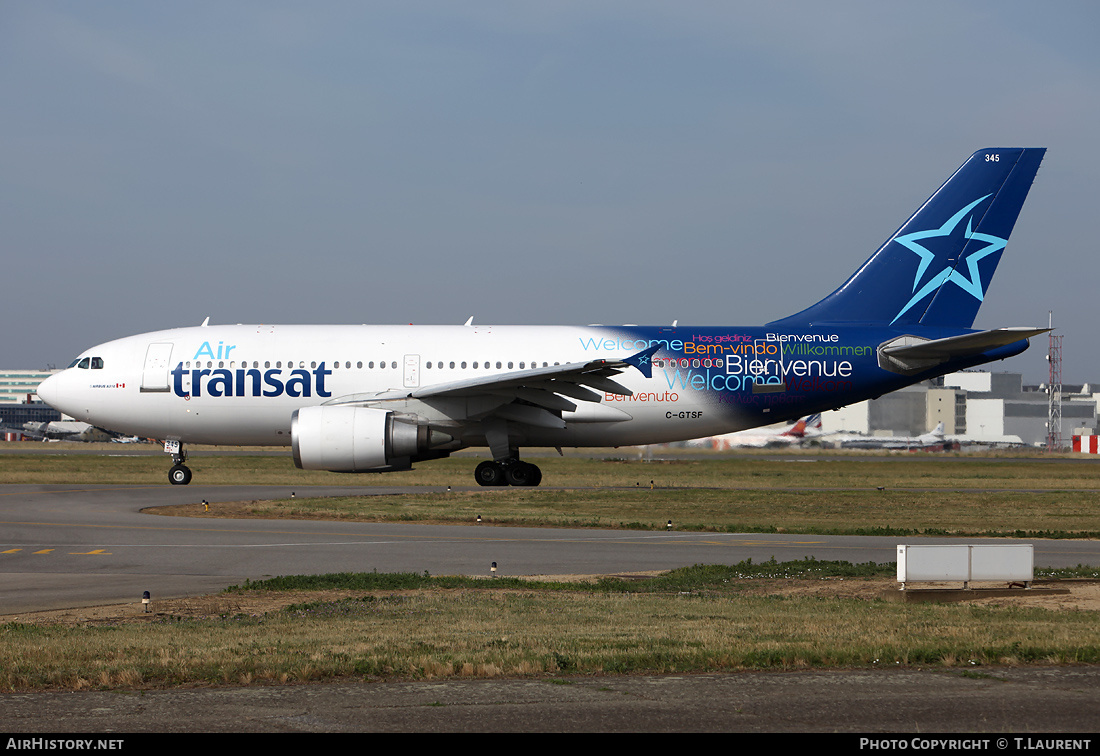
(380, 398)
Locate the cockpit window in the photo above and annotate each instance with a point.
(83, 364)
(97, 363)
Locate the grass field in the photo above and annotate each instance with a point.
(703, 618)
(815, 493)
(384, 627)
(884, 494)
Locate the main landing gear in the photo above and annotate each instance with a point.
(509, 472)
(179, 474)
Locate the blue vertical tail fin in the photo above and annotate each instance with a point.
(936, 268)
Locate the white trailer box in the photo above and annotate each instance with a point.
(966, 563)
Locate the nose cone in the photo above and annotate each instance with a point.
(49, 391)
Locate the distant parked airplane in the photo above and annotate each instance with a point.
(934, 439)
(64, 430)
(807, 428)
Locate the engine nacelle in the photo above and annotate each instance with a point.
(358, 439)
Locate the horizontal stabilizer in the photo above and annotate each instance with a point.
(912, 354)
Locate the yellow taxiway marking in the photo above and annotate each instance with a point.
(88, 553)
(11, 551)
(45, 551)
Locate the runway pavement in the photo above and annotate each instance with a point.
(67, 546)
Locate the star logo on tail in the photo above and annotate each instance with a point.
(951, 272)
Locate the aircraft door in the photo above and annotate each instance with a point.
(154, 376)
(412, 370)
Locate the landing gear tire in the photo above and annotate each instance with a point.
(179, 475)
(490, 474)
(522, 474)
(508, 473)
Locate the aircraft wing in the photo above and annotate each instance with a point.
(536, 396)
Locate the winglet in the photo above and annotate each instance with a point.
(641, 360)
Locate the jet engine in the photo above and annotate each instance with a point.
(360, 439)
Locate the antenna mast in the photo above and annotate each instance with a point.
(1054, 391)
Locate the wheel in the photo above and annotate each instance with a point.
(179, 475)
(522, 474)
(489, 474)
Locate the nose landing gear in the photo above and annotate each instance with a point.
(179, 474)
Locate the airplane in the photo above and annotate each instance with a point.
(60, 430)
(349, 398)
(933, 440)
(805, 428)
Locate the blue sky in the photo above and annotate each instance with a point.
(558, 162)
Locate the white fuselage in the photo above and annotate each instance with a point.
(239, 385)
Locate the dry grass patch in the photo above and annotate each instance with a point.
(471, 632)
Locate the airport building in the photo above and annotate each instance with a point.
(19, 401)
(17, 385)
(980, 406)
